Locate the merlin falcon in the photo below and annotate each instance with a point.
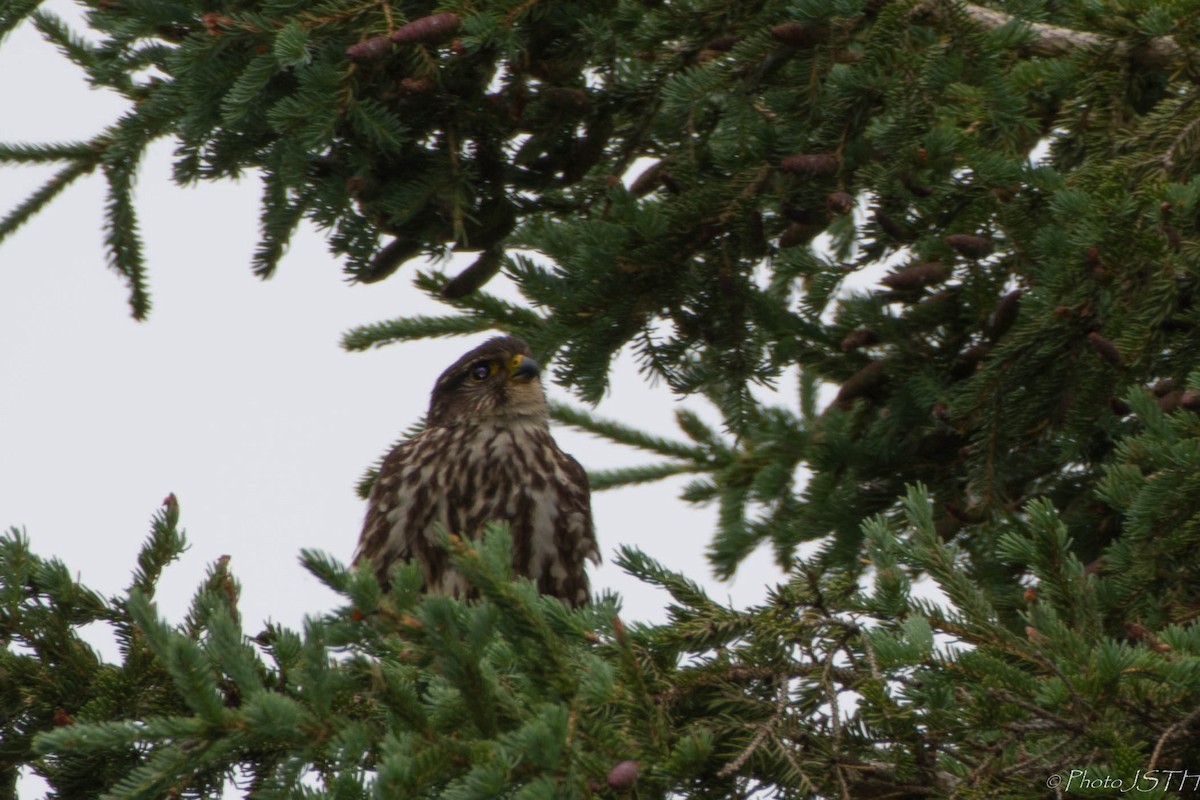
(485, 455)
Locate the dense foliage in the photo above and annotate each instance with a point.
(982, 229)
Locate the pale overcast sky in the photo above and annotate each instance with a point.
(235, 395)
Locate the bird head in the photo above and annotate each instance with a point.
(497, 380)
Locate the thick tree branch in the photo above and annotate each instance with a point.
(1053, 41)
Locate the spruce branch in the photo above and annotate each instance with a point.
(602, 480)
(40, 198)
(405, 329)
(686, 591)
(122, 237)
(1161, 52)
(164, 545)
(1186, 136)
(282, 211)
(14, 13)
(624, 434)
(940, 560)
(40, 153)
(1174, 731)
(517, 318)
(77, 49)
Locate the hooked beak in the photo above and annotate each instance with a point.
(523, 369)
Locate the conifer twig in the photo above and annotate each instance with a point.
(1038, 758)
(1168, 159)
(1038, 711)
(1169, 734)
(767, 729)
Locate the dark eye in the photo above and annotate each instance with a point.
(481, 371)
